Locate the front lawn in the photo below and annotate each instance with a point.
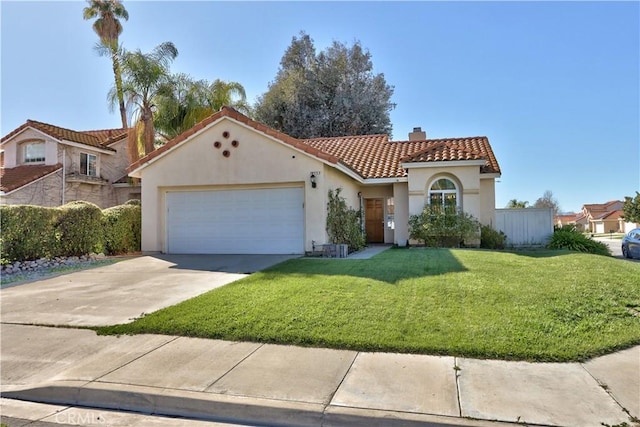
(537, 305)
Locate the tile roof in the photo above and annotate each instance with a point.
(94, 138)
(13, 178)
(370, 156)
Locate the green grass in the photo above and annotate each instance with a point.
(537, 305)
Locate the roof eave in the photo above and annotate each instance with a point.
(445, 163)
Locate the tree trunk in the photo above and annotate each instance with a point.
(118, 77)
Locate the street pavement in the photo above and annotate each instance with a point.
(72, 376)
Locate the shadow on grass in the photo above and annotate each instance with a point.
(390, 266)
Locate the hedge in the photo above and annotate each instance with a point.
(75, 229)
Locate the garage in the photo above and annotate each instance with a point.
(238, 221)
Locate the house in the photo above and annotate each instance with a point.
(601, 217)
(233, 185)
(47, 165)
(566, 219)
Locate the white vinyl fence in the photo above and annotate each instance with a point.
(525, 227)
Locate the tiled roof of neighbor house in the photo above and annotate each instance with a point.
(18, 176)
(13, 178)
(569, 218)
(370, 156)
(611, 215)
(93, 138)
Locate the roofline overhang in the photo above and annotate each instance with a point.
(438, 164)
(110, 151)
(493, 175)
(377, 181)
(46, 135)
(341, 167)
(30, 182)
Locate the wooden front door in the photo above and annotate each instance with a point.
(374, 220)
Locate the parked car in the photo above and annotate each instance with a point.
(631, 244)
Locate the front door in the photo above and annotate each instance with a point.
(374, 220)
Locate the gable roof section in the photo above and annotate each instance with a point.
(14, 178)
(369, 156)
(93, 138)
(374, 156)
(232, 114)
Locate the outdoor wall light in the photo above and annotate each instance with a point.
(312, 178)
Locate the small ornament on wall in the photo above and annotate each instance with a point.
(235, 143)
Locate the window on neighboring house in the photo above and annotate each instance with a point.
(88, 164)
(34, 152)
(443, 193)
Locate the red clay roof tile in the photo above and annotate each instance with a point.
(370, 156)
(13, 178)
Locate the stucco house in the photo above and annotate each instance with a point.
(48, 165)
(233, 185)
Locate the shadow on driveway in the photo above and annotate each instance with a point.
(242, 264)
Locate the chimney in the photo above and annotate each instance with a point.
(417, 135)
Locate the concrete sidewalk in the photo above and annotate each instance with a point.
(250, 383)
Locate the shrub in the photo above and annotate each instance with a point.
(433, 227)
(28, 232)
(79, 227)
(567, 237)
(492, 239)
(122, 226)
(343, 223)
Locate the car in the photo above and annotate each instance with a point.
(631, 244)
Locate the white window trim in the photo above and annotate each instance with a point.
(86, 172)
(443, 192)
(38, 160)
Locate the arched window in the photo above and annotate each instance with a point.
(443, 193)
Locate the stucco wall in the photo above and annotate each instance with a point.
(401, 200)
(257, 162)
(43, 192)
(488, 202)
(13, 154)
(467, 178)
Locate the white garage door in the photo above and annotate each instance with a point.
(256, 221)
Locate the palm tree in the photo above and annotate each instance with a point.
(108, 28)
(146, 77)
(192, 101)
(517, 204)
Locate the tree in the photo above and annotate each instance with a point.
(191, 101)
(548, 201)
(145, 78)
(631, 208)
(108, 28)
(333, 93)
(517, 204)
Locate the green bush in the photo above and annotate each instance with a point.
(343, 223)
(122, 228)
(79, 226)
(567, 237)
(433, 227)
(492, 239)
(28, 232)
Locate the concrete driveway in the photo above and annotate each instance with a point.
(123, 291)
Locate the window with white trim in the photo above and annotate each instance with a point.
(88, 163)
(391, 224)
(444, 193)
(34, 152)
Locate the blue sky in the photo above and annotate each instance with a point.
(554, 85)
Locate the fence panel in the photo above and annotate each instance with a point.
(525, 227)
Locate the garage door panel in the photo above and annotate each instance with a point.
(251, 221)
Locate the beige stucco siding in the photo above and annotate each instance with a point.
(42, 192)
(13, 151)
(257, 162)
(401, 201)
(467, 178)
(488, 201)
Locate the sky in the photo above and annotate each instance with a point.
(555, 86)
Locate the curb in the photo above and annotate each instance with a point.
(225, 408)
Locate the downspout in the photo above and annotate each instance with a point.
(64, 173)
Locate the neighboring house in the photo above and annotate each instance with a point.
(233, 185)
(600, 218)
(566, 219)
(48, 165)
